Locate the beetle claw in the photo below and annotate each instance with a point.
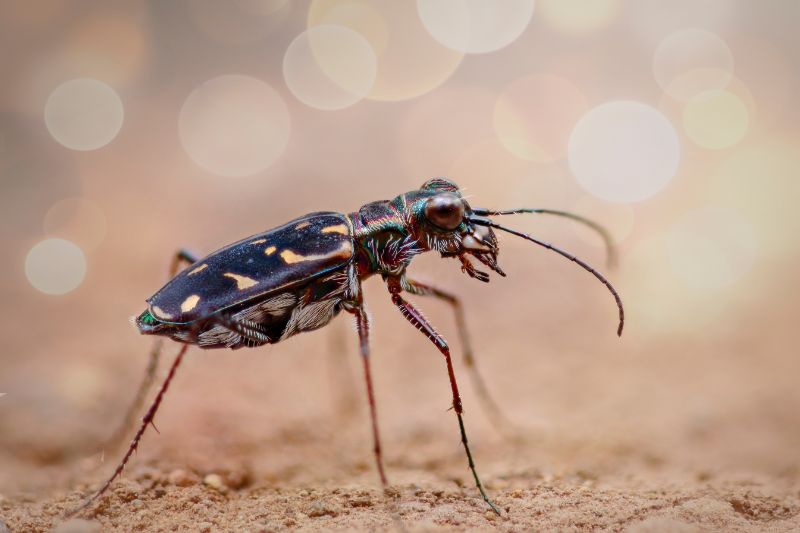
(468, 268)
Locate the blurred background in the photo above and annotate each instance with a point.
(128, 130)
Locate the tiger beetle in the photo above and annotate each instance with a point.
(297, 277)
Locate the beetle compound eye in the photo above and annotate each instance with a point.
(445, 211)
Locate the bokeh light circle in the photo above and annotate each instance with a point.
(623, 151)
(475, 26)
(711, 248)
(534, 116)
(329, 67)
(578, 15)
(691, 61)
(409, 61)
(83, 114)
(55, 266)
(77, 219)
(715, 119)
(657, 296)
(234, 125)
(760, 181)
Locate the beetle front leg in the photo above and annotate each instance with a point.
(362, 324)
(181, 256)
(491, 407)
(417, 320)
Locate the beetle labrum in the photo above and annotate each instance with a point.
(297, 277)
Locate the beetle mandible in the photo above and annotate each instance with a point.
(299, 276)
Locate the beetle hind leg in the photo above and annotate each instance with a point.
(180, 257)
(147, 420)
(362, 325)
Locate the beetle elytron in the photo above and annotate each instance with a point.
(298, 276)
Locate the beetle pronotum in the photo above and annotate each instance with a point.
(297, 277)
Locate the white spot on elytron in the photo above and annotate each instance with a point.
(475, 26)
(198, 269)
(623, 151)
(83, 114)
(55, 266)
(339, 228)
(242, 282)
(190, 303)
(289, 257)
(270, 250)
(160, 313)
(259, 241)
(302, 225)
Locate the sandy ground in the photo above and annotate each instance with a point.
(691, 434)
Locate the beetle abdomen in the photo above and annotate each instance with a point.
(255, 267)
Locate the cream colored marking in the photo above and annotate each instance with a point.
(259, 241)
(289, 257)
(159, 313)
(339, 228)
(302, 225)
(242, 282)
(270, 250)
(190, 303)
(198, 269)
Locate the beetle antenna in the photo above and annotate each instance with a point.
(611, 251)
(583, 264)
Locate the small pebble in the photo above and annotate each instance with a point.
(181, 478)
(215, 481)
(205, 527)
(321, 508)
(489, 515)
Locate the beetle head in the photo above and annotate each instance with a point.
(440, 218)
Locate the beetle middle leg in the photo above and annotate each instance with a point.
(488, 402)
(362, 324)
(417, 320)
(182, 256)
